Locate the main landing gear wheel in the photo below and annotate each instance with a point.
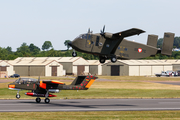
(18, 96)
(47, 100)
(38, 100)
(113, 59)
(74, 54)
(102, 59)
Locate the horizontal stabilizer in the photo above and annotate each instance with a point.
(167, 43)
(130, 32)
(152, 40)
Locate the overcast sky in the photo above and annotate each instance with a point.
(36, 21)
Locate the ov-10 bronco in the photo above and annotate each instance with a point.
(44, 88)
(113, 45)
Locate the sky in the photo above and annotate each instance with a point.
(37, 21)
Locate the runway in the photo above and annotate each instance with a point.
(89, 105)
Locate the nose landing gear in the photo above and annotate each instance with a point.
(18, 95)
(74, 54)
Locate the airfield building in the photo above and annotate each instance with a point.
(36, 67)
(59, 66)
(135, 67)
(6, 69)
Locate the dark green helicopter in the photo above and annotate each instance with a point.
(113, 45)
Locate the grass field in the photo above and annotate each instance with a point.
(97, 115)
(140, 78)
(119, 87)
(126, 78)
(129, 87)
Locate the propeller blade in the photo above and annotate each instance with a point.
(103, 28)
(38, 83)
(89, 30)
(102, 31)
(39, 79)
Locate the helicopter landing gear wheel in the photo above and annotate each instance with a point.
(113, 59)
(102, 59)
(47, 100)
(74, 54)
(38, 100)
(18, 96)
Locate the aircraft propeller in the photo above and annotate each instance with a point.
(89, 30)
(102, 31)
(38, 83)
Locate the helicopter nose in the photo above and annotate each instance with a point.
(70, 43)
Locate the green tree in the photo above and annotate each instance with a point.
(9, 49)
(3, 54)
(159, 43)
(34, 49)
(46, 45)
(176, 43)
(66, 44)
(11, 57)
(23, 50)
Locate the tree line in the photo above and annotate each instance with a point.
(47, 50)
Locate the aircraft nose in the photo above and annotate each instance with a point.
(11, 86)
(70, 43)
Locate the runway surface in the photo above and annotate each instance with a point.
(90, 105)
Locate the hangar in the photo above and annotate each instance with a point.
(71, 65)
(74, 65)
(175, 64)
(135, 67)
(29, 66)
(6, 69)
(55, 66)
(95, 67)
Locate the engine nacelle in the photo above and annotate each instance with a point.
(108, 35)
(54, 90)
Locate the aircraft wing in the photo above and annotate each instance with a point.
(43, 84)
(53, 82)
(130, 32)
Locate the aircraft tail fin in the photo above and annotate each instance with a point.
(83, 82)
(152, 40)
(167, 43)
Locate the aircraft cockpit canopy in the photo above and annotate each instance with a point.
(85, 36)
(26, 81)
